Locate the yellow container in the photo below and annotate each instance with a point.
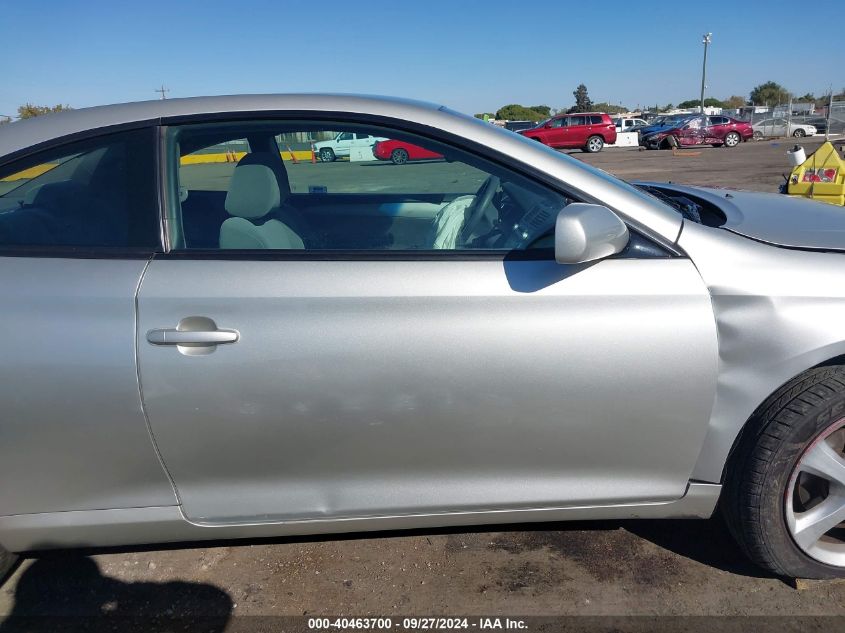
(820, 177)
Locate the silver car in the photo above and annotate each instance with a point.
(779, 127)
(202, 339)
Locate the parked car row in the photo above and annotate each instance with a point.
(591, 131)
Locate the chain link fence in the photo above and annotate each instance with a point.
(773, 123)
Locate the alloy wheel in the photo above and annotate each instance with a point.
(732, 139)
(595, 144)
(815, 499)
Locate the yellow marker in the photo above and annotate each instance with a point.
(820, 177)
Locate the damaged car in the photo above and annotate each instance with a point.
(718, 131)
(196, 350)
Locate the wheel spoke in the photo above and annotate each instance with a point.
(823, 461)
(810, 526)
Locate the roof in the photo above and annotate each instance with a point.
(22, 134)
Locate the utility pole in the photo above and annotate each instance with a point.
(707, 38)
(162, 90)
(829, 111)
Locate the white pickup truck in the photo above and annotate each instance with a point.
(342, 144)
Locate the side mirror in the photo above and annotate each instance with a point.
(587, 232)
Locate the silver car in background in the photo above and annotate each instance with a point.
(780, 127)
(202, 343)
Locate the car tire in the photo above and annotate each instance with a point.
(758, 135)
(594, 144)
(732, 139)
(670, 142)
(399, 156)
(799, 133)
(770, 489)
(327, 155)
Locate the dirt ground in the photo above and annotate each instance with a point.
(600, 568)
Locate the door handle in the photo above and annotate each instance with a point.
(193, 336)
(173, 336)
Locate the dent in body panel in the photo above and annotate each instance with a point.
(136, 526)
(371, 388)
(73, 434)
(778, 313)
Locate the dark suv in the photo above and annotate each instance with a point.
(588, 131)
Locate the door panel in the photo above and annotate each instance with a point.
(72, 419)
(369, 388)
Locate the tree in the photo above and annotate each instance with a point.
(808, 98)
(609, 108)
(28, 111)
(481, 115)
(542, 109)
(516, 112)
(770, 93)
(734, 102)
(695, 103)
(582, 100)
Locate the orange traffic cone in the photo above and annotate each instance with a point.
(313, 155)
(292, 156)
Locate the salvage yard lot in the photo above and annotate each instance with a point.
(599, 568)
(758, 166)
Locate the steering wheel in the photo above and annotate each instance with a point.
(475, 211)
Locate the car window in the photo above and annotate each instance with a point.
(561, 122)
(407, 192)
(578, 119)
(216, 154)
(346, 136)
(596, 120)
(97, 193)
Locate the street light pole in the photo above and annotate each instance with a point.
(707, 38)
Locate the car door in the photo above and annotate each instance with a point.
(78, 225)
(717, 128)
(468, 376)
(556, 132)
(344, 143)
(692, 132)
(578, 130)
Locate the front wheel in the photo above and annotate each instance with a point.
(594, 144)
(799, 133)
(399, 156)
(732, 139)
(784, 496)
(758, 135)
(327, 155)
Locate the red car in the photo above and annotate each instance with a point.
(401, 152)
(715, 131)
(588, 131)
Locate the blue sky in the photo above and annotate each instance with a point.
(472, 56)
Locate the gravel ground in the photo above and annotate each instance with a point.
(649, 568)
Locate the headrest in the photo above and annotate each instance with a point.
(253, 192)
(274, 163)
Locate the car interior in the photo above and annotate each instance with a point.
(268, 204)
(94, 196)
